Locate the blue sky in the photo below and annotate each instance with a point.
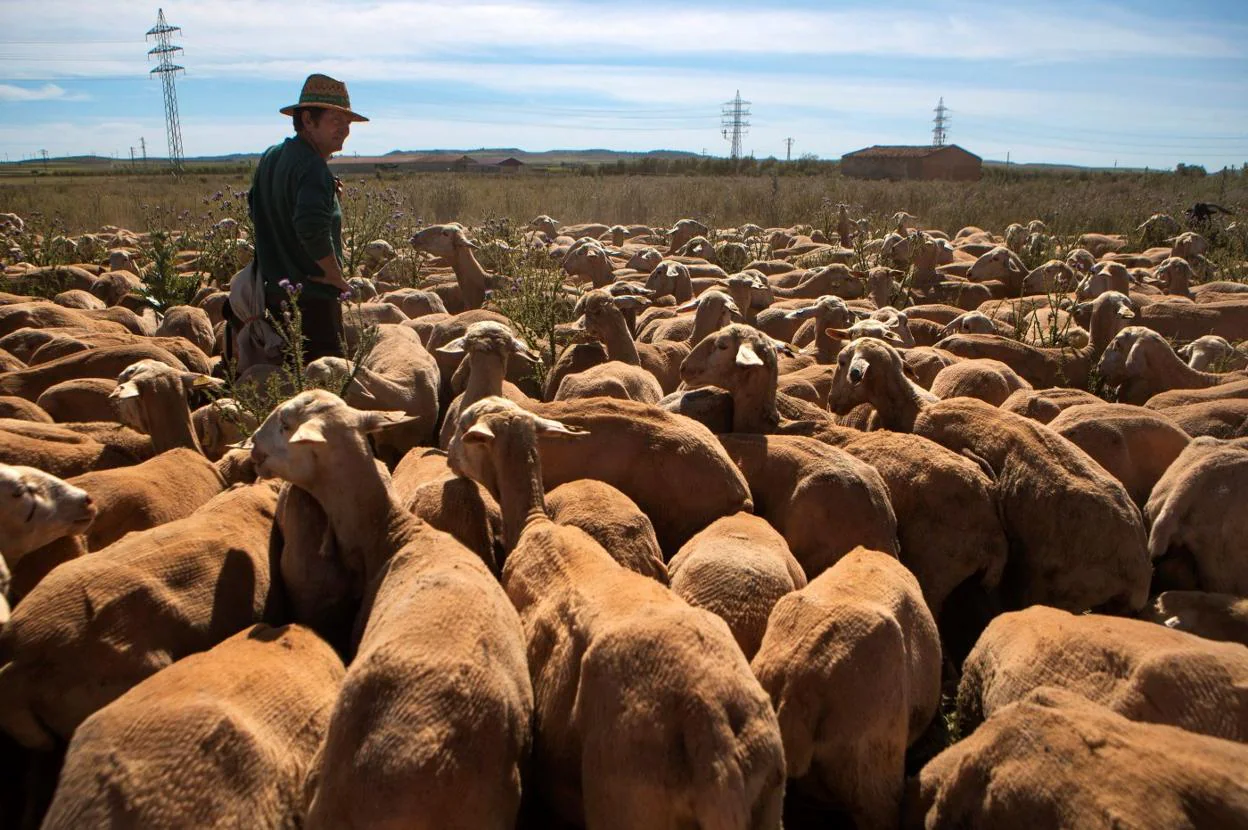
(1138, 82)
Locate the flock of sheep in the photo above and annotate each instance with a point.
(715, 573)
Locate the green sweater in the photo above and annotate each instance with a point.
(297, 217)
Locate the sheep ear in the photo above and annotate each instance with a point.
(549, 426)
(455, 347)
(892, 336)
(746, 356)
(784, 348)
(1126, 313)
(908, 371)
(689, 305)
(374, 420)
(125, 391)
(462, 241)
(802, 313)
(839, 334)
(309, 432)
(478, 433)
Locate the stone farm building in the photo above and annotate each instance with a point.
(425, 163)
(885, 162)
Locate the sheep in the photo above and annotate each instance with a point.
(650, 456)
(647, 714)
(39, 511)
(57, 450)
(260, 700)
(162, 489)
(1227, 418)
(1186, 321)
(1231, 390)
(415, 303)
(1043, 405)
(485, 347)
(128, 611)
(852, 664)
(612, 379)
(835, 279)
(1056, 759)
(682, 232)
(1104, 276)
(1212, 353)
(671, 279)
(1001, 265)
(613, 520)
(604, 320)
(713, 309)
(1133, 444)
(23, 410)
(988, 380)
(1139, 363)
(1221, 617)
(546, 225)
(191, 323)
(1153, 674)
(62, 344)
(1041, 480)
(1044, 367)
(737, 567)
(1157, 228)
(1099, 244)
(376, 254)
(79, 399)
(1198, 536)
(452, 244)
(399, 373)
(590, 262)
(221, 424)
(828, 312)
(105, 362)
(439, 664)
(77, 298)
(424, 485)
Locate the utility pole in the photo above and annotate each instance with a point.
(132, 156)
(940, 132)
(788, 149)
(164, 50)
(44, 155)
(734, 123)
(143, 144)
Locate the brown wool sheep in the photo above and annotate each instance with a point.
(852, 664)
(647, 714)
(738, 567)
(232, 732)
(1142, 671)
(1057, 760)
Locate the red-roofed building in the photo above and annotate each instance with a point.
(894, 162)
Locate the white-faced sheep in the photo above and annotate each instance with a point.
(634, 702)
(1041, 480)
(440, 658)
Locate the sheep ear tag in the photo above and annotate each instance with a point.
(746, 356)
(308, 432)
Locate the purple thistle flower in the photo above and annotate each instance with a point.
(345, 296)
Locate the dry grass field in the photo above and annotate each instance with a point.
(1068, 202)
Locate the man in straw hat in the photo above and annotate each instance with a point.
(298, 219)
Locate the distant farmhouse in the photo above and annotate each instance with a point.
(884, 162)
(426, 163)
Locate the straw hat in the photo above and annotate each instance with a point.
(326, 93)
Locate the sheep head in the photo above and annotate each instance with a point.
(972, 322)
(1175, 274)
(1052, 276)
(303, 439)
(493, 427)
(149, 389)
(1130, 354)
(666, 277)
(490, 337)
(998, 264)
(647, 259)
(864, 366)
(829, 310)
(714, 303)
(604, 314)
(442, 240)
(1080, 260)
(37, 508)
(546, 225)
(731, 356)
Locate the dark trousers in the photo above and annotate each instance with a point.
(321, 320)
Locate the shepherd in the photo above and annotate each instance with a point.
(295, 209)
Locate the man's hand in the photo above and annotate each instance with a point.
(333, 273)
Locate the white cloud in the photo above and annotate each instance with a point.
(48, 92)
